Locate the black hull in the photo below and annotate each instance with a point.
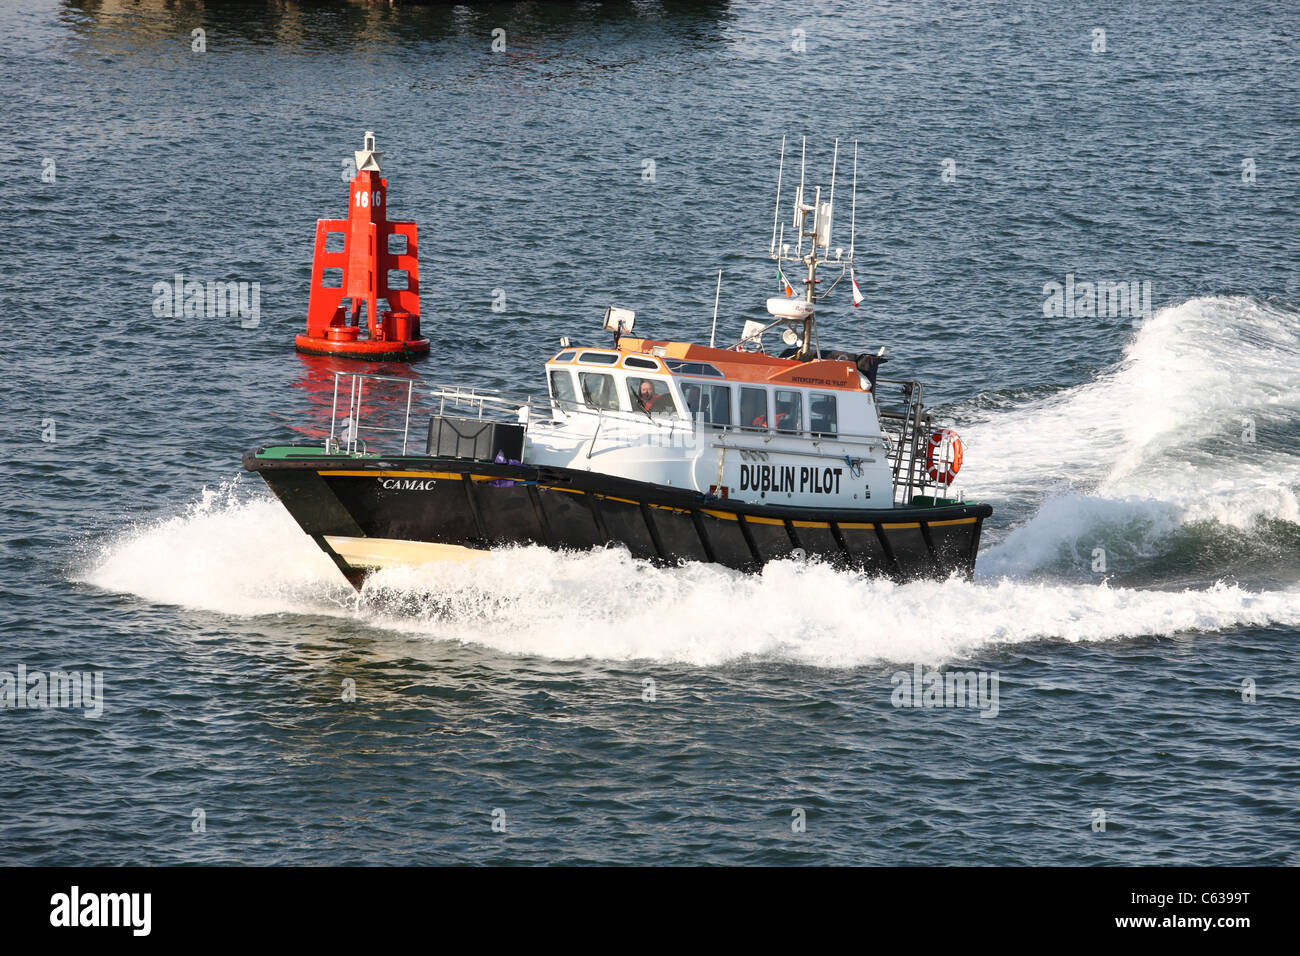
(344, 503)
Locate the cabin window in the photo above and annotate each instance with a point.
(753, 408)
(789, 410)
(633, 362)
(598, 389)
(821, 412)
(562, 390)
(652, 396)
(710, 404)
(599, 358)
(692, 368)
(564, 357)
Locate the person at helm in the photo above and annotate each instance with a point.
(652, 403)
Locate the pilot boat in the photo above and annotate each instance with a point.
(679, 452)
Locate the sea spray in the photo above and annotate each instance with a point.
(233, 550)
(1200, 422)
(242, 559)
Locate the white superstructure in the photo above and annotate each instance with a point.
(729, 424)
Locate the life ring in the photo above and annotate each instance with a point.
(943, 457)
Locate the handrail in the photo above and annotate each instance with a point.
(912, 424)
(354, 423)
(763, 434)
(460, 395)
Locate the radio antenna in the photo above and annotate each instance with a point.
(853, 207)
(780, 246)
(714, 331)
(776, 213)
(798, 199)
(835, 158)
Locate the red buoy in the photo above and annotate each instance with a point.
(365, 261)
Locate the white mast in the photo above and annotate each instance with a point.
(853, 206)
(798, 197)
(797, 314)
(835, 158)
(713, 331)
(776, 212)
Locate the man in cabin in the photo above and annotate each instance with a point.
(650, 402)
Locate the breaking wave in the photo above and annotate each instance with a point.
(1197, 426)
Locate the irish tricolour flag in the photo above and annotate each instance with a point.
(857, 293)
(786, 285)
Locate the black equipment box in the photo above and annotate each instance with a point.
(475, 438)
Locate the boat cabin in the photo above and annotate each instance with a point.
(748, 391)
(722, 422)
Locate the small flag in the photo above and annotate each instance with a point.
(786, 285)
(857, 293)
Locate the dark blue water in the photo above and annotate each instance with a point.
(133, 545)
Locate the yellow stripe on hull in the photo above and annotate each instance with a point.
(445, 475)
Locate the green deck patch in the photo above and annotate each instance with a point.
(929, 501)
(300, 452)
(287, 452)
(282, 452)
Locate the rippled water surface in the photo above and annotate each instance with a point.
(1139, 581)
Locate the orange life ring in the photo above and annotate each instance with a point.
(940, 468)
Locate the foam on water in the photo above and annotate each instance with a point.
(1134, 456)
(229, 552)
(604, 604)
(1155, 443)
(244, 557)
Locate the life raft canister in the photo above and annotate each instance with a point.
(943, 457)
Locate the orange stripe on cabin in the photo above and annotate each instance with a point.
(754, 366)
